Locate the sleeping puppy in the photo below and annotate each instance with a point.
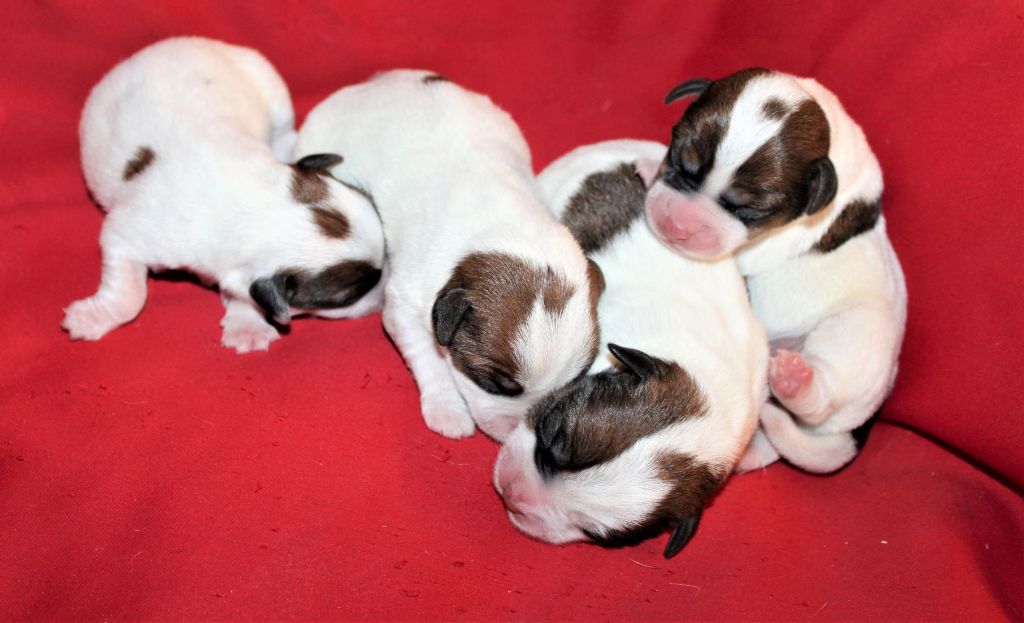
(178, 146)
(489, 299)
(652, 431)
(770, 166)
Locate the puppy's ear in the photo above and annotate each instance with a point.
(338, 285)
(682, 534)
(595, 277)
(641, 364)
(270, 293)
(551, 453)
(822, 185)
(319, 162)
(450, 308)
(696, 87)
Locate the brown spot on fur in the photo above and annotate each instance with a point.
(432, 78)
(556, 292)
(143, 157)
(776, 178)
(479, 311)
(857, 217)
(774, 109)
(308, 187)
(606, 205)
(597, 417)
(703, 126)
(338, 285)
(332, 224)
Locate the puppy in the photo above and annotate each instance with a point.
(178, 146)
(489, 299)
(654, 429)
(770, 166)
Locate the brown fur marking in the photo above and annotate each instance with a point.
(606, 205)
(143, 157)
(857, 217)
(332, 224)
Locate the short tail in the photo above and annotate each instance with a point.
(817, 453)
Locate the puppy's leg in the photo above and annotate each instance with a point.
(120, 298)
(759, 454)
(245, 329)
(844, 368)
(444, 410)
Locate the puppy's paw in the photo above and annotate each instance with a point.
(790, 375)
(88, 320)
(447, 417)
(759, 454)
(246, 337)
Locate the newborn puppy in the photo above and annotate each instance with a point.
(654, 429)
(178, 147)
(771, 167)
(489, 299)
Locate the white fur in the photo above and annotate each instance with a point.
(215, 200)
(451, 175)
(693, 313)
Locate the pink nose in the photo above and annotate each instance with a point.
(681, 229)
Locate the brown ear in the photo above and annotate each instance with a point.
(681, 535)
(822, 185)
(638, 362)
(595, 277)
(270, 293)
(449, 309)
(696, 87)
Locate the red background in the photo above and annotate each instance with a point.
(157, 475)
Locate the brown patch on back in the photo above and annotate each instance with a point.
(774, 109)
(857, 217)
(606, 205)
(597, 417)
(332, 224)
(432, 78)
(776, 177)
(143, 157)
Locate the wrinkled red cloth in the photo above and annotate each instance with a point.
(156, 475)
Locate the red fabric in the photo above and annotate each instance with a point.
(157, 475)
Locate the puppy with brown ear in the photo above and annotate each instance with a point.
(487, 296)
(771, 167)
(180, 146)
(642, 441)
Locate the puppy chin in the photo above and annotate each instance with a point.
(535, 526)
(693, 227)
(496, 416)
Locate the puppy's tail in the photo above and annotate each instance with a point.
(813, 452)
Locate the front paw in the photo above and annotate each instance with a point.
(790, 375)
(447, 417)
(249, 336)
(87, 320)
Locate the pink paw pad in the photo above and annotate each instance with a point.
(790, 375)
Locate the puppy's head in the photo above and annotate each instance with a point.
(333, 257)
(615, 457)
(750, 154)
(515, 330)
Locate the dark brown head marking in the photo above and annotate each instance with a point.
(332, 224)
(339, 285)
(774, 109)
(478, 313)
(856, 218)
(606, 204)
(143, 158)
(308, 187)
(432, 78)
(596, 417)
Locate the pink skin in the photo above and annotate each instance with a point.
(515, 492)
(790, 375)
(683, 223)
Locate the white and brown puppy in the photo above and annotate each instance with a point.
(178, 146)
(643, 441)
(489, 299)
(771, 167)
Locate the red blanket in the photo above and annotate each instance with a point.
(155, 474)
